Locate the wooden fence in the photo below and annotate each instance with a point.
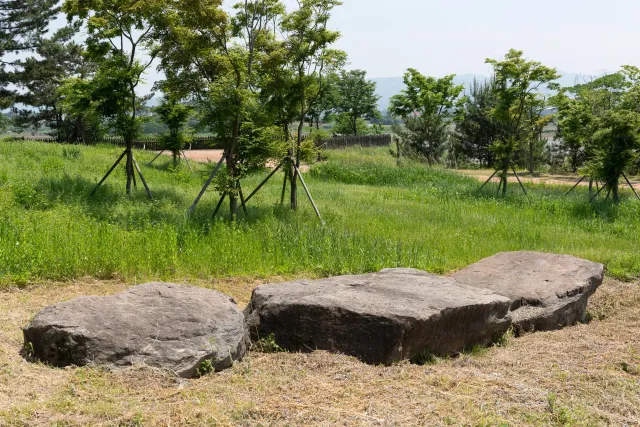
(210, 142)
(351, 141)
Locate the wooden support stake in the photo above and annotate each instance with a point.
(631, 185)
(518, 178)
(154, 159)
(284, 188)
(242, 201)
(187, 160)
(304, 185)
(219, 204)
(253, 193)
(146, 187)
(576, 186)
(108, 173)
(600, 190)
(487, 181)
(207, 184)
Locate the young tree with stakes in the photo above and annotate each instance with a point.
(119, 43)
(308, 40)
(517, 90)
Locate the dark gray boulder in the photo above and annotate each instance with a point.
(379, 318)
(547, 291)
(181, 328)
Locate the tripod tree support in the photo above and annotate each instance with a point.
(242, 201)
(576, 186)
(146, 187)
(518, 178)
(308, 193)
(207, 184)
(253, 193)
(215, 211)
(156, 157)
(600, 190)
(487, 181)
(631, 185)
(124, 153)
(187, 160)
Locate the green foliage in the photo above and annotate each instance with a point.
(476, 126)
(206, 367)
(175, 116)
(267, 345)
(519, 106)
(424, 357)
(426, 108)
(356, 101)
(344, 125)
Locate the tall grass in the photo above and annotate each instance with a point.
(377, 215)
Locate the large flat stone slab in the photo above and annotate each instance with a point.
(547, 291)
(380, 318)
(158, 324)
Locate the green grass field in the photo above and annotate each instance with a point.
(377, 215)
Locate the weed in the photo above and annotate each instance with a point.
(267, 345)
(205, 367)
(424, 357)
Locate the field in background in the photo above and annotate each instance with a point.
(377, 215)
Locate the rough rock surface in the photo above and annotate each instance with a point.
(380, 318)
(158, 324)
(547, 291)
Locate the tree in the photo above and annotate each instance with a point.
(518, 100)
(575, 122)
(118, 39)
(40, 77)
(426, 107)
(356, 99)
(175, 116)
(215, 58)
(22, 25)
(308, 40)
(476, 127)
(343, 125)
(615, 145)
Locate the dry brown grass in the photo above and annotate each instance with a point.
(585, 375)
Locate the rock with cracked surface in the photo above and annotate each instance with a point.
(379, 318)
(163, 325)
(547, 291)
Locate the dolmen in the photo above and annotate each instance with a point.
(187, 330)
(380, 318)
(398, 314)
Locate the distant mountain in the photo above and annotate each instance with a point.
(389, 86)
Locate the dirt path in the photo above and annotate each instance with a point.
(214, 156)
(542, 178)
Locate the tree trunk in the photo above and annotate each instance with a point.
(590, 185)
(176, 157)
(503, 180)
(231, 166)
(614, 188)
(129, 164)
(531, 156)
(294, 172)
